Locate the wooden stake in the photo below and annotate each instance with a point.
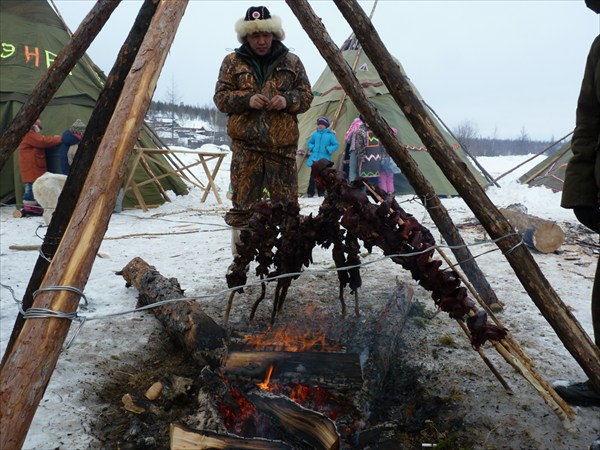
(105, 106)
(52, 79)
(29, 366)
(347, 79)
(558, 315)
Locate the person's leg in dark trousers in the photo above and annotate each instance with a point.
(596, 305)
(311, 185)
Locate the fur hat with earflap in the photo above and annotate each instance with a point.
(259, 19)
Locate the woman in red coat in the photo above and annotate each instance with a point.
(32, 157)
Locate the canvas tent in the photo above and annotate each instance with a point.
(550, 172)
(31, 35)
(328, 94)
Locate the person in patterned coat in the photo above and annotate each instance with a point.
(262, 87)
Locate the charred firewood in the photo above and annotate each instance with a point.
(308, 427)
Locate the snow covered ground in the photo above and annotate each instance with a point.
(188, 240)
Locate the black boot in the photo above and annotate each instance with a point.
(579, 394)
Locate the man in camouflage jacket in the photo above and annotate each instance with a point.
(262, 87)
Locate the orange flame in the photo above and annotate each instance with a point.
(265, 384)
(289, 341)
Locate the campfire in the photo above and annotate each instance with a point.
(315, 383)
(290, 386)
(311, 381)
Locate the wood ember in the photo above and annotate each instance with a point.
(303, 424)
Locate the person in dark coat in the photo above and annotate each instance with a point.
(581, 191)
(70, 137)
(262, 87)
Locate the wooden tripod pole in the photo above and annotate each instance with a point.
(53, 78)
(558, 315)
(25, 376)
(101, 115)
(347, 79)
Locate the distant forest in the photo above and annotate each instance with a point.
(465, 133)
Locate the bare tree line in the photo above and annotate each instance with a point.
(468, 136)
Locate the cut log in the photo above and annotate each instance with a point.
(185, 438)
(543, 235)
(305, 425)
(336, 369)
(184, 321)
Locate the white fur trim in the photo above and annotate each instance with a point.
(273, 25)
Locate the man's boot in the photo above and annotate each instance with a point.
(579, 394)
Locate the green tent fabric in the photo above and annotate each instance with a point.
(550, 173)
(31, 35)
(328, 95)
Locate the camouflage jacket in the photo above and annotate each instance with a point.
(241, 76)
(582, 178)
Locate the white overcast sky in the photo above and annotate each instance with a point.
(505, 66)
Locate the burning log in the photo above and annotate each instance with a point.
(185, 321)
(305, 425)
(185, 438)
(543, 235)
(328, 367)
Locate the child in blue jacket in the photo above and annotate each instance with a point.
(321, 145)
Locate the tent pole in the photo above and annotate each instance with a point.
(53, 78)
(558, 315)
(532, 158)
(358, 52)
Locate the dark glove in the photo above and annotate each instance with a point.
(588, 216)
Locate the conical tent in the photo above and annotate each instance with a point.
(32, 35)
(328, 94)
(550, 172)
